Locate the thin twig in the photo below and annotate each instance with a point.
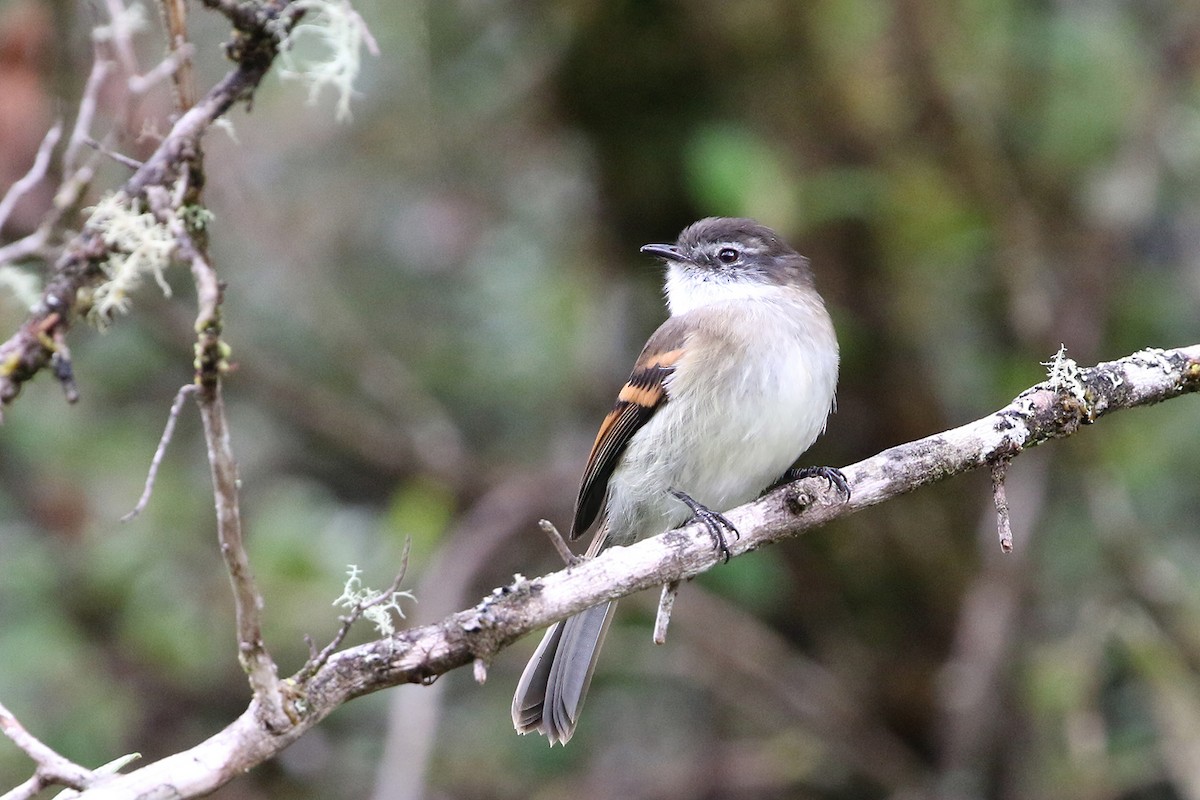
(120, 35)
(27, 790)
(211, 352)
(210, 366)
(252, 650)
(88, 103)
(174, 13)
(666, 603)
(67, 198)
(161, 450)
(560, 544)
(1000, 498)
(317, 659)
(52, 768)
(167, 68)
(78, 172)
(41, 164)
(26, 247)
(120, 158)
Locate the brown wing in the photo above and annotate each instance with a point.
(642, 395)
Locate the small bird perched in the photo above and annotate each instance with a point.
(725, 397)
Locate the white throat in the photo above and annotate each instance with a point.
(689, 289)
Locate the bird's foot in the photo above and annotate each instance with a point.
(714, 521)
(832, 475)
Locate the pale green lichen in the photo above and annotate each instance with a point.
(335, 29)
(196, 218)
(376, 608)
(138, 245)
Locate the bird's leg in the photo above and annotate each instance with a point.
(832, 475)
(709, 519)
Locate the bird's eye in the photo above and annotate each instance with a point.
(727, 255)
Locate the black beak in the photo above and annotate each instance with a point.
(667, 252)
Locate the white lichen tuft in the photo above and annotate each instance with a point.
(334, 27)
(376, 608)
(24, 286)
(138, 244)
(1064, 376)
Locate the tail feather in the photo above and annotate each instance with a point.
(554, 684)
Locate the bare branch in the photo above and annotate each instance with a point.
(78, 172)
(252, 651)
(174, 14)
(1044, 412)
(52, 768)
(120, 158)
(80, 132)
(1000, 498)
(211, 364)
(161, 450)
(26, 247)
(41, 164)
(556, 539)
(666, 604)
(27, 790)
(169, 67)
(124, 22)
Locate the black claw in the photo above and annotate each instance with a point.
(711, 520)
(832, 475)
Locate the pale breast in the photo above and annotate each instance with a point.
(751, 394)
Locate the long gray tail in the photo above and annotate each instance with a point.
(555, 682)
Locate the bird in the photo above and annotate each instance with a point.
(724, 398)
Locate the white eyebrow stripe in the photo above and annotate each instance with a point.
(753, 246)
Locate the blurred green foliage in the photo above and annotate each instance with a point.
(431, 307)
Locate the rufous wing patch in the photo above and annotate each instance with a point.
(641, 396)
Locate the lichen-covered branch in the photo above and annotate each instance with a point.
(1059, 407)
(261, 26)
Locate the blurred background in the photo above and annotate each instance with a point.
(432, 306)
